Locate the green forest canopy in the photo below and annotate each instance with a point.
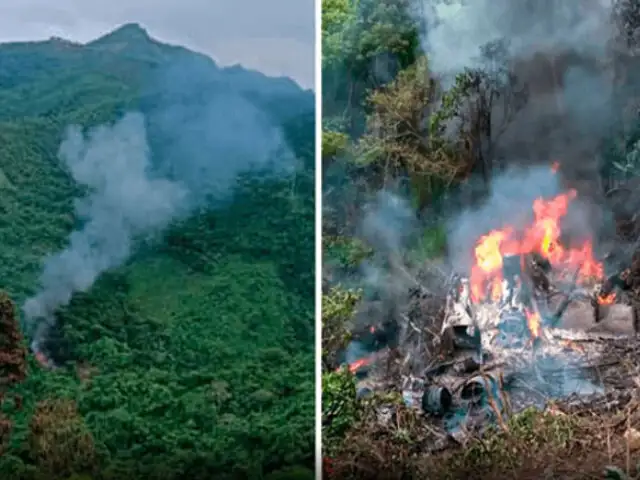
(195, 358)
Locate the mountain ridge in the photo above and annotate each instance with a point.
(133, 43)
(203, 337)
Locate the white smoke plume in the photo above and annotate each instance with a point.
(457, 29)
(133, 197)
(148, 170)
(124, 201)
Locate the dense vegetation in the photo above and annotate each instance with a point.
(391, 124)
(195, 358)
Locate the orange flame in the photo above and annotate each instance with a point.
(542, 236)
(365, 361)
(358, 364)
(569, 345)
(534, 324)
(607, 299)
(42, 359)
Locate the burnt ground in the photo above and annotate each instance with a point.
(573, 437)
(533, 433)
(563, 441)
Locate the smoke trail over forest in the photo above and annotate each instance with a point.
(125, 200)
(144, 172)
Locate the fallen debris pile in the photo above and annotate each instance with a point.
(489, 365)
(535, 325)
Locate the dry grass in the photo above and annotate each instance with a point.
(559, 442)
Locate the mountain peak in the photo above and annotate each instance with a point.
(127, 33)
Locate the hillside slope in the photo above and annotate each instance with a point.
(195, 357)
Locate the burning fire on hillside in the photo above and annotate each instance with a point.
(512, 266)
(542, 238)
(526, 315)
(515, 268)
(522, 272)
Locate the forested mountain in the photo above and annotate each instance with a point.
(191, 355)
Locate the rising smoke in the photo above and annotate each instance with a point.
(134, 193)
(457, 29)
(509, 203)
(388, 223)
(388, 226)
(564, 53)
(210, 131)
(125, 201)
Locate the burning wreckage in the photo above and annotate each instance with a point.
(533, 321)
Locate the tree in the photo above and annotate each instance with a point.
(13, 364)
(338, 307)
(405, 135)
(13, 353)
(365, 43)
(59, 441)
(339, 407)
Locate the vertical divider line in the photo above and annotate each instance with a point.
(318, 236)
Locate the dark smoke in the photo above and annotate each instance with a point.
(457, 29)
(565, 54)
